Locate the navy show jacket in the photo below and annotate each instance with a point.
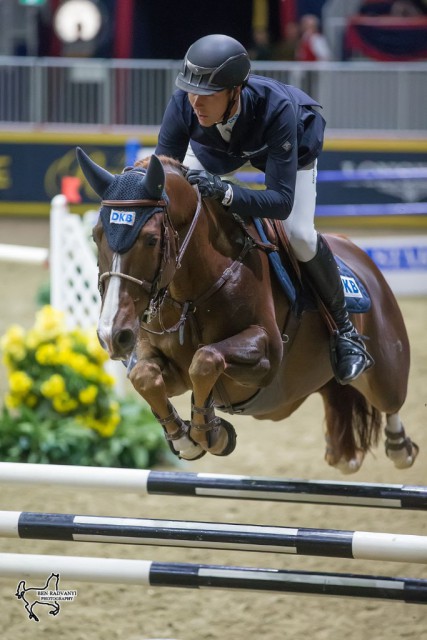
(278, 131)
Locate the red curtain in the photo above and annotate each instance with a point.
(123, 35)
(288, 13)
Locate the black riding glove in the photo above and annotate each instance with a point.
(210, 185)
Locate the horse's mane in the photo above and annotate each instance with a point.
(166, 161)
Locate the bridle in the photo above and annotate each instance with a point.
(172, 253)
(171, 259)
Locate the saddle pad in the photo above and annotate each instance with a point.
(356, 297)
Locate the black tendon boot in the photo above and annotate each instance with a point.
(349, 357)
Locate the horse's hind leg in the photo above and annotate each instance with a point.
(398, 447)
(352, 426)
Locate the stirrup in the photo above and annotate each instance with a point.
(357, 339)
(351, 346)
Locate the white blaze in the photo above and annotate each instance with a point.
(110, 305)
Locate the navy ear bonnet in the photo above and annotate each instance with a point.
(122, 225)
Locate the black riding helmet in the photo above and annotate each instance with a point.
(214, 63)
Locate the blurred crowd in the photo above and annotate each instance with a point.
(289, 30)
(378, 29)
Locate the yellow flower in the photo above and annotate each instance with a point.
(12, 401)
(105, 427)
(62, 403)
(79, 363)
(95, 350)
(64, 343)
(106, 378)
(49, 321)
(88, 395)
(13, 344)
(14, 336)
(20, 383)
(53, 386)
(34, 338)
(14, 355)
(46, 354)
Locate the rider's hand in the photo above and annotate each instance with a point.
(211, 186)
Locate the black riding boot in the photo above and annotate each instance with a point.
(349, 357)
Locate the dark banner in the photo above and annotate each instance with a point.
(36, 167)
(387, 38)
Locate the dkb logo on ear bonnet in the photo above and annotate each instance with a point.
(122, 225)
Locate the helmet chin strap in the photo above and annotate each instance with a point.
(230, 105)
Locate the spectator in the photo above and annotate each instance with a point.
(312, 45)
(286, 48)
(261, 49)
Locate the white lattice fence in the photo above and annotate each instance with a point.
(74, 276)
(73, 269)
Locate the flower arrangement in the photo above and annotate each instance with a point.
(61, 404)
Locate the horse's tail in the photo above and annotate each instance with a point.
(352, 423)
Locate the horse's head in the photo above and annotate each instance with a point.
(137, 247)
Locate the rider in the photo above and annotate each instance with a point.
(220, 118)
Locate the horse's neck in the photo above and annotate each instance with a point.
(207, 255)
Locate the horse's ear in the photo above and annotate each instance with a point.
(98, 178)
(154, 180)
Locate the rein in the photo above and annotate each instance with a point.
(190, 306)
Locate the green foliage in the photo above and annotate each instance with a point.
(61, 407)
(138, 441)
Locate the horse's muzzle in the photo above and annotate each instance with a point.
(120, 344)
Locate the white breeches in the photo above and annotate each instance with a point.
(299, 225)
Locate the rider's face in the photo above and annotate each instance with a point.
(210, 109)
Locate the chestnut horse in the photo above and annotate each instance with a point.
(190, 303)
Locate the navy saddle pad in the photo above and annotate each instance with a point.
(356, 297)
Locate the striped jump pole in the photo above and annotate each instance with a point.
(361, 545)
(206, 485)
(160, 574)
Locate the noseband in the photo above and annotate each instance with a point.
(166, 270)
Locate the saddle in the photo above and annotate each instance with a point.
(273, 239)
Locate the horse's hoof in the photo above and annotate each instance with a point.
(185, 448)
(232, 438)
(400, 449)
(405, 457)
(346, 466)
(191, 455)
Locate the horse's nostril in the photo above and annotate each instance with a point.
(124, 340)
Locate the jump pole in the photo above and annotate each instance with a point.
(190, 576)
(361, 545)
(205, 485)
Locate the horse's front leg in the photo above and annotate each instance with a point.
(248, 358)
(146, 375)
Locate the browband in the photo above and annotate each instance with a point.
(138, 203)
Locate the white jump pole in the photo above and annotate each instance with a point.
(23, 255)
(330, 543)
(209, 485)
(190, 576)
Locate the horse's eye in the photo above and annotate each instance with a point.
(151, 240)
